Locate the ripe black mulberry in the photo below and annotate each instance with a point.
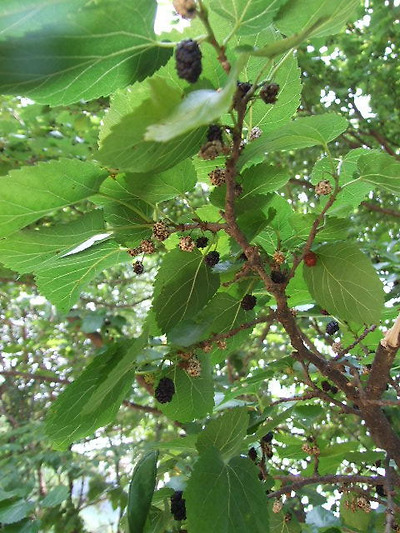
(178, 507)
(188, 60)
(138, 267)
(242, 89)
(201, 242)
(277, 276)
(214, 133)
(165, 390)
(268, 437)
(248, 302)
(332, 327)
(212, 258)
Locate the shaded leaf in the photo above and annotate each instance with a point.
(66, 421)
(56, 496)
(183, 286)
(14, 511)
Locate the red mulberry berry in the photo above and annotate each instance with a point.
(147, 247)
(188, 60)
(160, 231)
(217, 176)
(248, 302)
(187, 244)
(310, 259)
(212, 258)
(165, 390)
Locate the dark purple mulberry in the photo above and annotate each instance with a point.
(332, 327)
(165, 390)
(201, 242)
(214, 133)
(252, 454)
(242, 89)
(268, 437)
(138, 267)
(188, 60)
(326, 386)
(212, 258)
(248, 302)
(178, 507)
(277, 276)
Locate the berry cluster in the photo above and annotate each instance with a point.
(178, 507)
(160, 231)
(217, 176)
(165, 390)
(358, 503)
(212, 258)
(188, 60)
(187, 244)
(332, 327)
(278, 257)
(269, 93)
(248, 302)
(277, 506)
(255, 133)
(185, 8)
(327, 387)
(311, 449)
(323, 188)
(193, 367)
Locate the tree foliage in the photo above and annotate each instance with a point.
(244, 361)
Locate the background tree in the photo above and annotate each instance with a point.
(243, 355)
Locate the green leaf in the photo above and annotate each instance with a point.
(141, 491)
(222, 314)
(225, 497)
(247, 17)
(78, 51)
(225, 433)
(297, 15)
(63, 278)
(345, 283)
(66, 421)
(56, 496)
(183, 286)
(286, 73)
(199, 108)
(194, 397)
(123, 145)
(301, 133)
(381, 170)
(14, 511)
(122, 368)
(263, 179)
(29, 193)
(29, 250)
